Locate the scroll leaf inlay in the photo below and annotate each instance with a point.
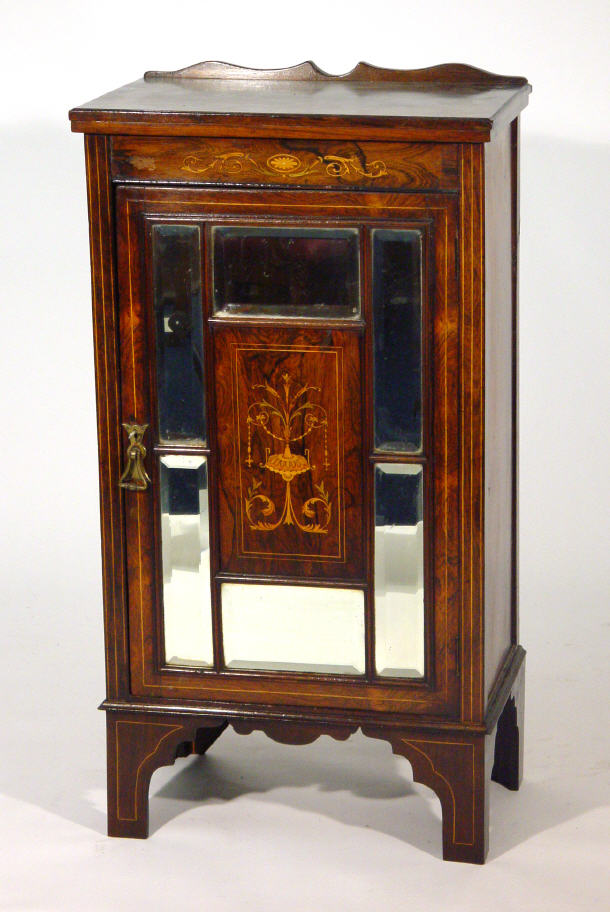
(286, 165)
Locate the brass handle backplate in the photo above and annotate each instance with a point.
(134, 478)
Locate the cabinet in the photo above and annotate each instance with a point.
(305, 319)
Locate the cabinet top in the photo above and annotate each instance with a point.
(451, 102)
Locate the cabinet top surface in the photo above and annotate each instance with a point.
(451, 101)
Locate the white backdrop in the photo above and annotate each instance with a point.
(327, 801)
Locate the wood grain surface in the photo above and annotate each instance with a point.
(282, 162)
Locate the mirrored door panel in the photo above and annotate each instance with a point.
(178, 319)
(399, 571)
(181, 444)
(185, 554)
(397, 335)
(293, 628)
(286, 272)
(400, 539)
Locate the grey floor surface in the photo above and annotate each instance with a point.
(330, 826)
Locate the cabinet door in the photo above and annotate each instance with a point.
(293, 536)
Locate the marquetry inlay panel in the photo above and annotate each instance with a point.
(289, 470)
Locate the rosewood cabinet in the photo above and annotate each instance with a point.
(305, 316)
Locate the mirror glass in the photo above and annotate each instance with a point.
(293, 628)
(185, 549)
(397, 329)
(178, 333)
(286, 272)
(399, 571)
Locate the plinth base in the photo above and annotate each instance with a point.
(456, 763)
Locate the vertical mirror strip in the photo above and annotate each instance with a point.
(179, 333)
(399, 571)
(397, 332)
(185, 550)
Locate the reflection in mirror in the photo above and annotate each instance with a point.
(288, 272)
(399, 571)
(185, 550)
(178, 332)
(293, 628)
(397, 318)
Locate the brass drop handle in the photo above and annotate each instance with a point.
(134, 478)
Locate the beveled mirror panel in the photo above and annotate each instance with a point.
(286, 272)
(185, 550)
(293, 628)
(399, 571)
(179, 333)
(397, 334)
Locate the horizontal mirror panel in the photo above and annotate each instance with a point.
(179, 333)
(397, 335)
(185, 550)
(399, 571)
(293, 628)
(286, 272)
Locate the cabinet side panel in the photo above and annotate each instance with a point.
(104, 297)
(498, 404)
(472, 418)
(515, 147)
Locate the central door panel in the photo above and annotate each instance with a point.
(289, 443)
